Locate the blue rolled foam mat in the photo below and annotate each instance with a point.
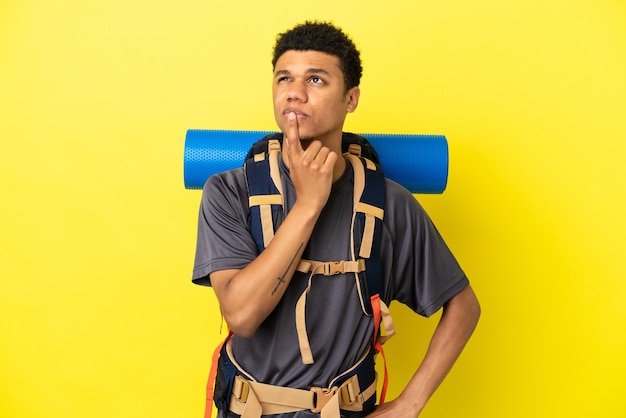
(417, 162)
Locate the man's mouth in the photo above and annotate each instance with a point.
(299, 114)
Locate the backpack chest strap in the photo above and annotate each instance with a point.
(330, 268)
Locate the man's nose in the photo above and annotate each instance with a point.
(297, 91)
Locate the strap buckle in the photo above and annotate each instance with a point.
(350, 391)
(241, 389)
(354, 149)
(321, 396)
(333, 267)
(273, 145)
(338, 267)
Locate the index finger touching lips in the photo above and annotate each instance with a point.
(293, 138)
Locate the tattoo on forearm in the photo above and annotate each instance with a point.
(281, 279)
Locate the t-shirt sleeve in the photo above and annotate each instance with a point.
(223, 240)
(421, 271)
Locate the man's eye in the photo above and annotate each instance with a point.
(285, 78)
(316, 80)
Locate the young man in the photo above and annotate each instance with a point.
(317, 70)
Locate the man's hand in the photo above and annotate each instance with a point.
(393, 409)
(311, 170)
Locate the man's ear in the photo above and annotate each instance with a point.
(353, 99)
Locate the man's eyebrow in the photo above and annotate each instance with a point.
(317, 71)
(281, 72)
(309, 71)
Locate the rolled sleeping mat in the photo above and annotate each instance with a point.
(417, 162)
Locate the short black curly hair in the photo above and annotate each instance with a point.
(323, 37)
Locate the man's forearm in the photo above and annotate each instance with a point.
(249, 295)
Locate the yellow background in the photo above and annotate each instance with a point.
(99, 317)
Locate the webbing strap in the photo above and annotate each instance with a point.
(381, 314)
(383, 390)
(267, 223)
(269, 199)
(277, 399)
(273, 148)
(252, 399)
(312, 267)
(330, 268)
(303, 338)
(265, 198)
(387, 322)
(265, 202)
(359, 181)
(370, 212)
(252, 408)
(359, 186)
(378, 346)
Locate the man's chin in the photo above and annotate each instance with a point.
(305, 142)
(305, 139)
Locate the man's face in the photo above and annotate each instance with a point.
(311, 84)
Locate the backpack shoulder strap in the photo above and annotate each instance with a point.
(369, 201)
(265, 191)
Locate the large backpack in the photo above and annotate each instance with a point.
(266, 213)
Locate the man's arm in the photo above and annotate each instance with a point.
(458, 321)
(247, 296)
